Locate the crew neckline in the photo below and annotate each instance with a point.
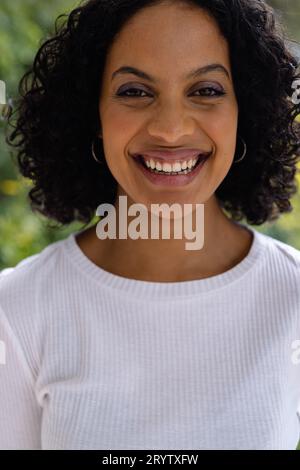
(169, 290)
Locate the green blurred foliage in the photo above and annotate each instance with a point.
(289, 12)
(24, 24)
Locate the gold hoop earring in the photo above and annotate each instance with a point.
(244, 153)
(94, 155)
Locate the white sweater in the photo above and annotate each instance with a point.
(92, 360)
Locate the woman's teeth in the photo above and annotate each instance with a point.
(171, 168)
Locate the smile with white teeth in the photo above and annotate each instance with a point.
(176, 168)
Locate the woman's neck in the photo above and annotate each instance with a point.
(226, 243)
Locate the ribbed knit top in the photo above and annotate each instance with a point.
(93, 360)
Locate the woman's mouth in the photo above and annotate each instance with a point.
(183, 167)
(174, 173)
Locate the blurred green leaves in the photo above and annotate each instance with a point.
(24, 24)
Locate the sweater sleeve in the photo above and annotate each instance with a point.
(20, 413)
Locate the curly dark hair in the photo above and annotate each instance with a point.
(57, 112)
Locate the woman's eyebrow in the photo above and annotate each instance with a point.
(193, 74)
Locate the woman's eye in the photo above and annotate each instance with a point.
(217, 92)
(128, 93)
(123, 93)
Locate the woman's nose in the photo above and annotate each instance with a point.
(172, 122)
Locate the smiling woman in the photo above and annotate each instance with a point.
(138, 343)
(61, 96)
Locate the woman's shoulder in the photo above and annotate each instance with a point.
(282, 260)
(33, 266)
(31, 277)
(26, 292)
(282, 251)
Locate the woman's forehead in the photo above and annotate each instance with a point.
(155, 48)
(177, 31)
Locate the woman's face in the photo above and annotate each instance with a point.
(172, 111)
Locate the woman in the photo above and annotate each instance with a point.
(139, 343)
